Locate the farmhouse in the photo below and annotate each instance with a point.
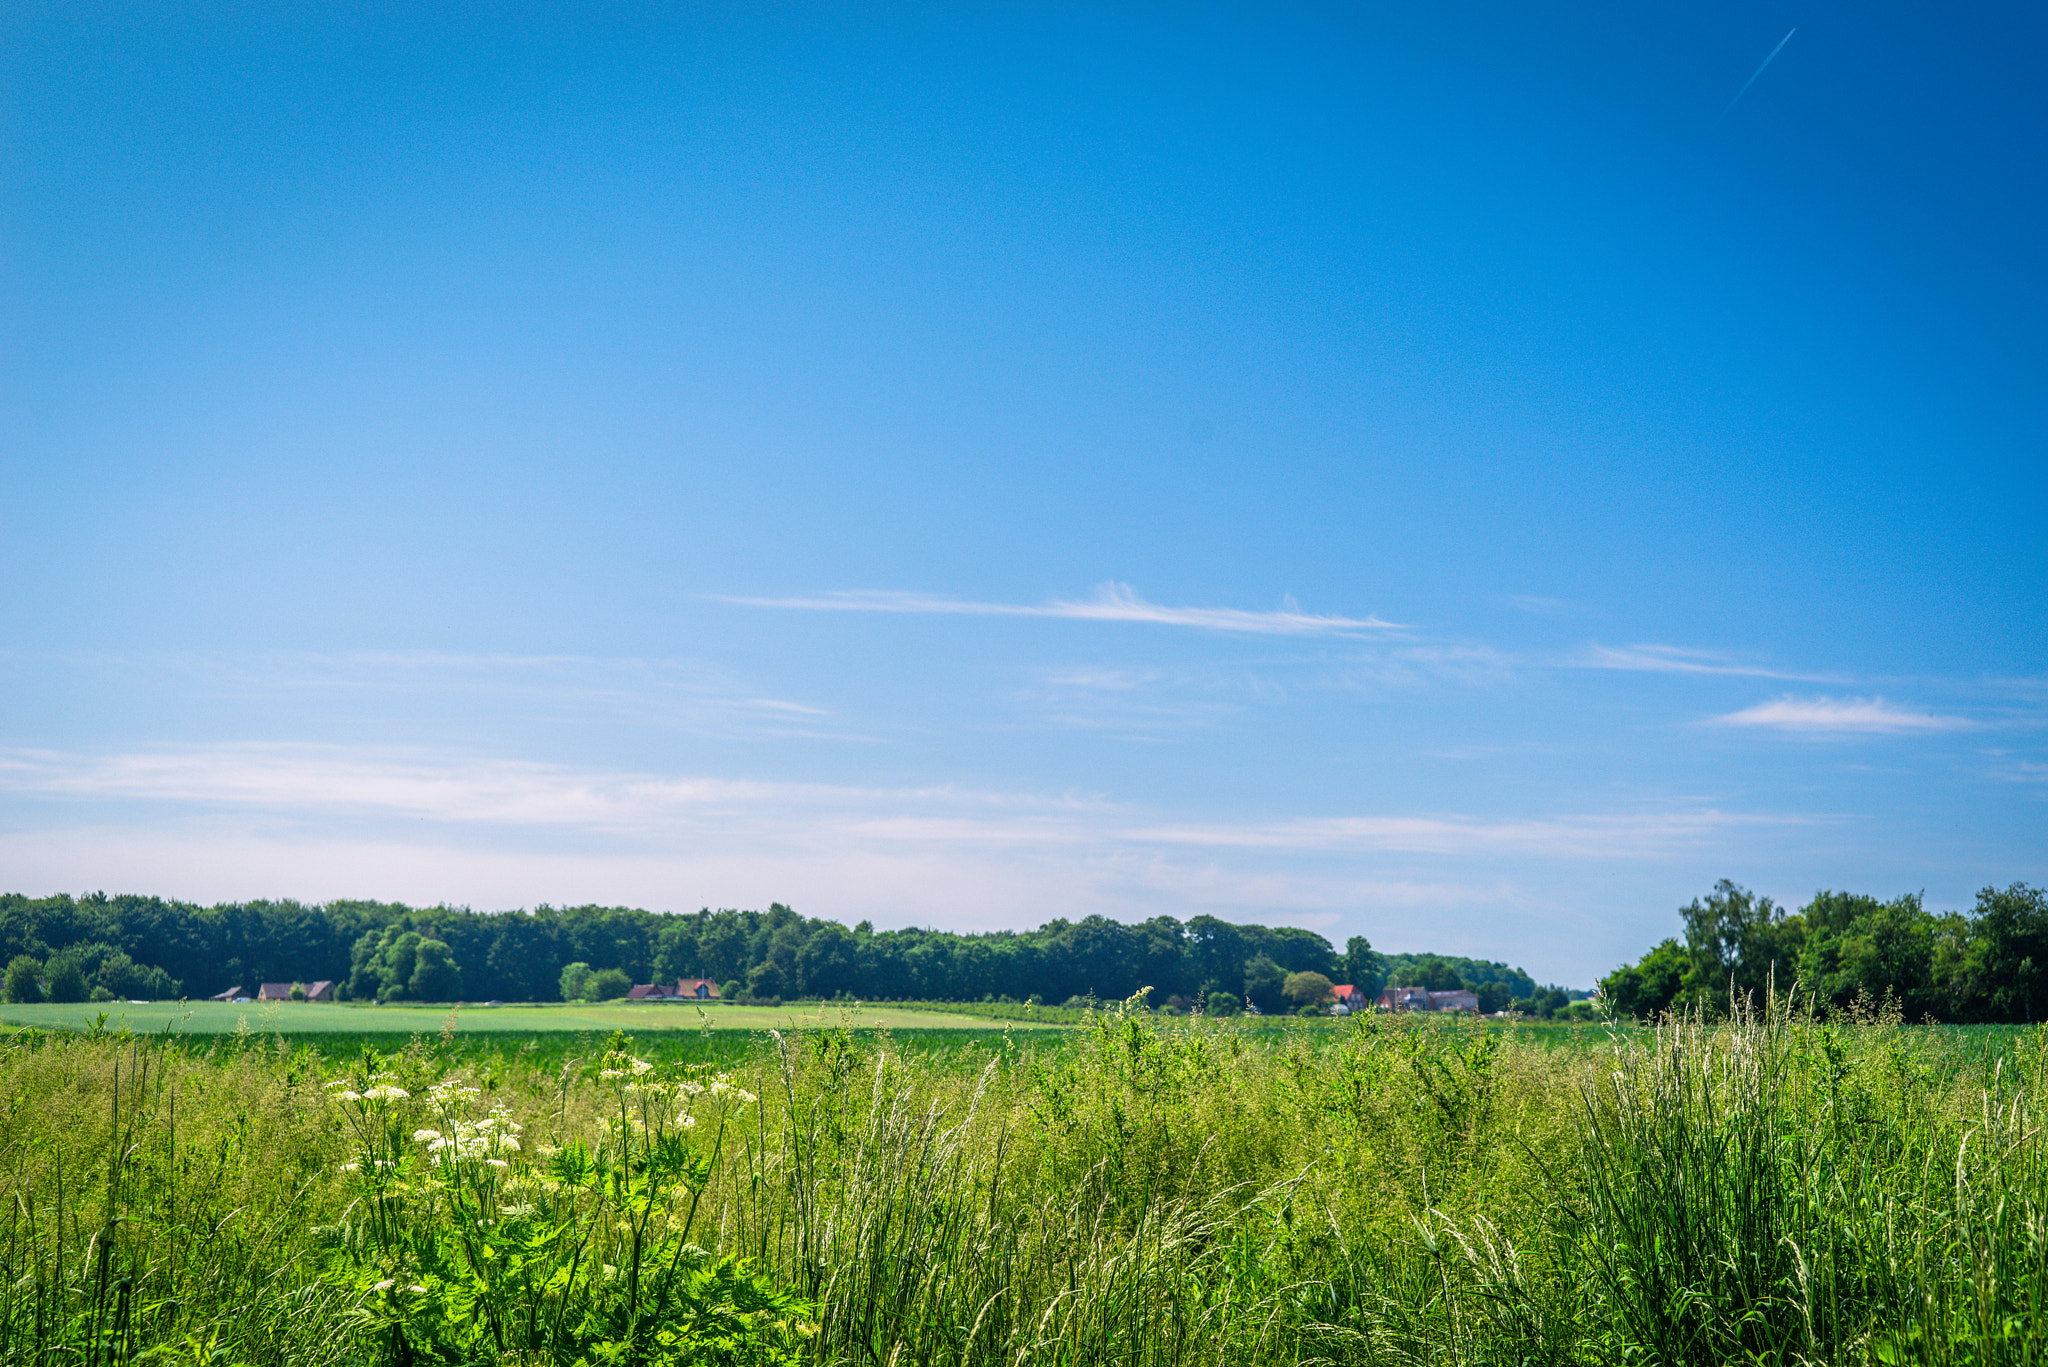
(685, 990)
(1422, 999)
(321, 991)
(1349, 997)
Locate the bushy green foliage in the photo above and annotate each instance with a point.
(1449, 973)
(66, 980)
(24, 980)
(1264, 982)
(1307, 990)
(465, 1247)
(1846, 949)
(436, 977)
(607, 984)
(1650, 988)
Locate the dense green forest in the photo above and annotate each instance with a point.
(1987, 965)
(75, 948)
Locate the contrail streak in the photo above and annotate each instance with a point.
(1760, 69)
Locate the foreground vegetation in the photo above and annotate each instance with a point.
(1141, 1190)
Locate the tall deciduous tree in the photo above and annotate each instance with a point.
(1307, 989)
(435, 975)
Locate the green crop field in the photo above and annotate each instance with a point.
(325, 1018)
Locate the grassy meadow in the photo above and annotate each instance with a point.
(1133, 1190)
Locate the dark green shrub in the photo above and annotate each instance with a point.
(67, 982)
(24, 980)
(608, 984)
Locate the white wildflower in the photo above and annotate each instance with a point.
(423, 1136)
(386, 1092)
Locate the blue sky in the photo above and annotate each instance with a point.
(1439, 473)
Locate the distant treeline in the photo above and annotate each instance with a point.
(1987, 965)
(147, 947)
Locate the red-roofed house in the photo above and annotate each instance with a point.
(1349, 997)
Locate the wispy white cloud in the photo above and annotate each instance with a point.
(679, 694)
(1841, 716)
(1618, 836)
(1113, 602)
(323, 780)
(1661, 659)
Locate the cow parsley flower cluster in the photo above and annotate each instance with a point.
(381, 1088)
(496, 1133)
(721, 1088)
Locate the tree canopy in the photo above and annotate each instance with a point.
(1989, 964)
(149, 946)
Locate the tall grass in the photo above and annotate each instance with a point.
(1769, 1188)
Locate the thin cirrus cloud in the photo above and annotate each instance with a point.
(1592, 835)
(1840, 716)
(1660, 659)
(1113, 602)
(307, 780)
(300, 781)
